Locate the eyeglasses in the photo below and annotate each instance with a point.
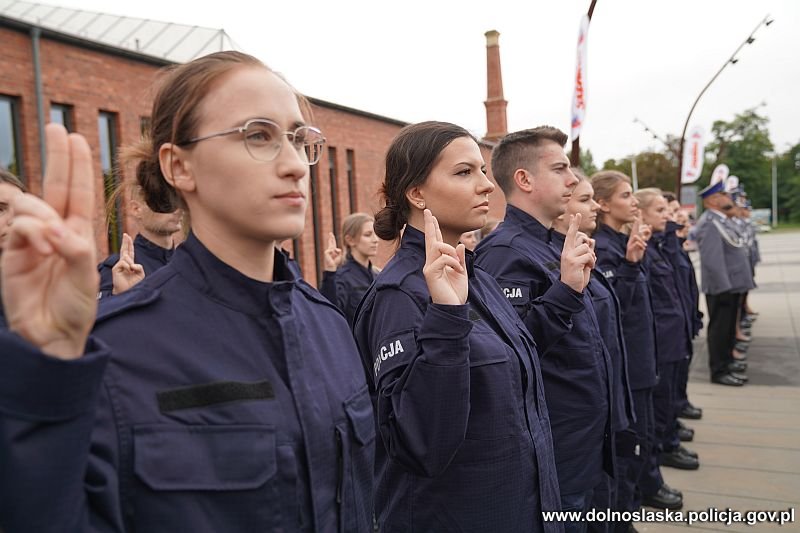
(263, 140)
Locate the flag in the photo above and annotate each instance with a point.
(579, 97)
(693, 155)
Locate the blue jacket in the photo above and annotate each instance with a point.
(466, 443)
(673, 333)
(228, 405)
(345, 287)
(609, 320)
(631, 288)
(148, 254)
(689, 292)
(575, 363)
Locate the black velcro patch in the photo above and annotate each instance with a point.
(213, 393)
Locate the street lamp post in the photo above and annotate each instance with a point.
(774, 191)
(766, 21)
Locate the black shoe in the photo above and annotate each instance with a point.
(663, 500)
(687, 452)
(691, 412)
(737, 366)
(676, 492)
(741, 377)
(685, 434)
(727, 379)
(675, 459)
(741, 346)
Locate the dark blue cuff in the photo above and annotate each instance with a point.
(564, 298)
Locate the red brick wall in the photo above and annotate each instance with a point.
(92, 81)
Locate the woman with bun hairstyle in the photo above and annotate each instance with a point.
(218, 394)
(465, 441)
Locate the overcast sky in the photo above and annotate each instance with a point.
(421, 60)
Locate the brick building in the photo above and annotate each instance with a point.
(71, 73)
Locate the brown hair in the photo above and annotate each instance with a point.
(174, 119)
(604, 184)
(514, 152)
(351, 227)
(11, 179)
(409, 160)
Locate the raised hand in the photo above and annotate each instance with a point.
(445, 268)
(126, 273)
(49, 265)
(637, 243)
(577, 257)
(333, 255)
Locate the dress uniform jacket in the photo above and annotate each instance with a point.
(606, 308)
(466, 443)
(724, 259)
(673, 337)
(575, 363)
(148, 254)
(345, 287)
(206, 402)
(632, 291)
(687, 283)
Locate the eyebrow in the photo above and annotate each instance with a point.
(560, 164)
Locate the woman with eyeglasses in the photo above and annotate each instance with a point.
(220, 393)
(465, 435)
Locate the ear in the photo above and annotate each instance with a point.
(604, 206)
(523, 180)
(136, 207)
(348, 241)
(176, 167)
(416, 198)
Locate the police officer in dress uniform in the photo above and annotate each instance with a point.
(546, 287)
(725, 276)
(220, 393)
(465, 435)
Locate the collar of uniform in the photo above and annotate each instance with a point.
(557, 238)
(152, 248)
(612, 233)
(414, 240)
(527, 222)
(223, 283)
(351, 263)
(673, 226)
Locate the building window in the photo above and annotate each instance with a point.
(9, 136)
(316, 222)
(62, 114)
(351, 179)
(334, 190)
(107, 125)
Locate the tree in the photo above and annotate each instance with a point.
(587, 162)
(788, 167)
(653, 169)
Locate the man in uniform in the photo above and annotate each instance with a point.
(725, 277)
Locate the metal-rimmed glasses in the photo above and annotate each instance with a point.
(264, 138)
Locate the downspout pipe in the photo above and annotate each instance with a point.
(36, 34)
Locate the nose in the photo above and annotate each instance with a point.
(635, 201)
(594, 206)
(485, 186)
(290, 164)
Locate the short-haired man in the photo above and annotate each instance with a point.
(546, 285)
(725, 277)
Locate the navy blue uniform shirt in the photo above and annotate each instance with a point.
(466, 443)
(228, 405)
(633, 293)
(345, 287)
(673, 334)
(575, 364)
(687, 280)
(606, 309)
(148, 254)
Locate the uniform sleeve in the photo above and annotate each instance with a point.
(57, 448)
(106, 279)
(621, 274)
(328, 287)
(545, 304)
(419, 366)
(712, 253)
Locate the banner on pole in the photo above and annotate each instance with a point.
(579, 96)
(693, 155)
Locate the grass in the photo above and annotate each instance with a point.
(786, 227)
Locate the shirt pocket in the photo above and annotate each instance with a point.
(355, 441)
(228, 472)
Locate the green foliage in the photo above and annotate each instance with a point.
(788, 173)
(653, 169)
(587, 162)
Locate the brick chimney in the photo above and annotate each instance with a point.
(496, 124)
